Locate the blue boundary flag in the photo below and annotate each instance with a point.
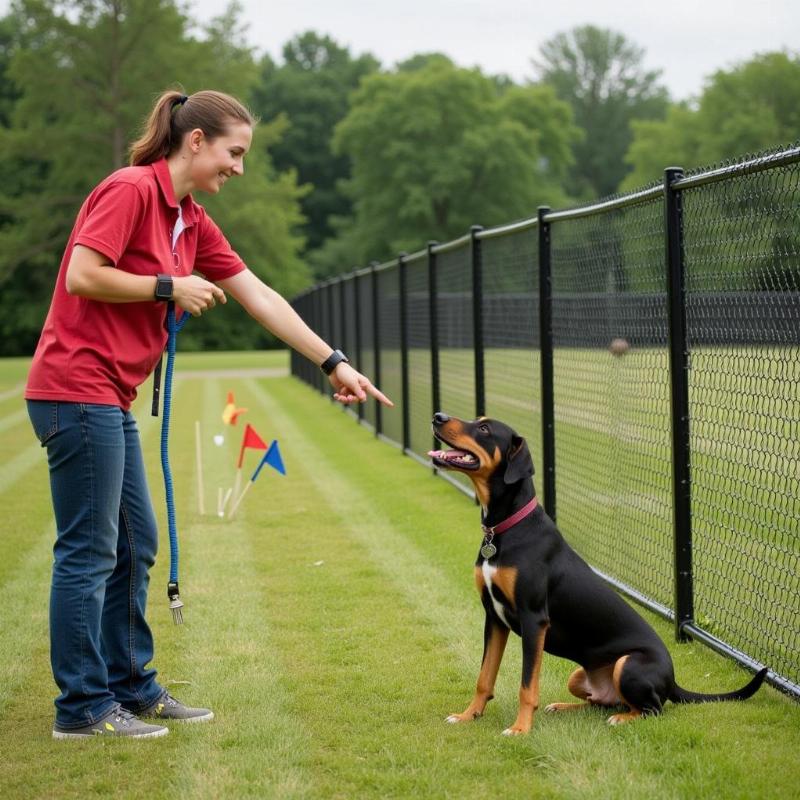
(273, 458)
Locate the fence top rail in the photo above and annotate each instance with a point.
(758, 164)
(387, 265)
(453, 245)
(409, 257)
(505, 230)
(632, 199)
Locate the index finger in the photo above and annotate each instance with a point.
(379, 395)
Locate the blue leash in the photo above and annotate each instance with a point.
(173, 326)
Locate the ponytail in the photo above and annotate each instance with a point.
(175, 114)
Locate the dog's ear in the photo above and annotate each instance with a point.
(519, 464)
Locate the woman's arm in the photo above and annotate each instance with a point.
(273, 312)
(90, 274)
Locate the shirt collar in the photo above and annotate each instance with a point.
(164, 181)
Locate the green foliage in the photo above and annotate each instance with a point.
(600, 74)
(436, 149)
(311, 91)
(752, 107)
(76, 81)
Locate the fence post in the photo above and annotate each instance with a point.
(434, 325)
(376, 344)
(679, 384)
(329, 335)
(318, 316)
(343, 344)
(546, 364)
(406, 411)
(357, 311)
(477, 320)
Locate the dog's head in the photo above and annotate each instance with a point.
(488, 451)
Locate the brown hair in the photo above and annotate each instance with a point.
(175, 114)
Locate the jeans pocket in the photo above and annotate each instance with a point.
(44, 418)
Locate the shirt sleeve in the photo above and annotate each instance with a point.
(113, 215)
(215, 258)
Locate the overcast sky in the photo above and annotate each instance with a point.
(686, 39)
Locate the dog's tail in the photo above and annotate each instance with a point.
(680, 695)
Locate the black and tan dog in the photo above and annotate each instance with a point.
(533, 583)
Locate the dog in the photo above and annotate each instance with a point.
(533, 583)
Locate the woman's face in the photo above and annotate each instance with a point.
(217, 160)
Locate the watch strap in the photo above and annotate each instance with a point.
(329, 364)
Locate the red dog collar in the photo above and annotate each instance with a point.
(512, 520)
(487, 548)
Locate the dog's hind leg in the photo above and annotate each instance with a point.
(494, 645)
(635, 688)
(578, 685)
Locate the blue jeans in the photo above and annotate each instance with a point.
(100, 643)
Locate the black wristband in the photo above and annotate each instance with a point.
(329, 364)
(163, 287)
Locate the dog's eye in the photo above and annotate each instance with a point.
(483, 428)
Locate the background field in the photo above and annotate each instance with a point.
(332, 626)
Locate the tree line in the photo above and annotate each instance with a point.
(352, 160)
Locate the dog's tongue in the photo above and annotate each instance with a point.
(445, 454)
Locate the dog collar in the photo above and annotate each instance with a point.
(487, 548)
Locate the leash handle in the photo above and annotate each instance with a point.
(173, 326)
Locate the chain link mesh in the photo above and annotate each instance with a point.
(455, 330)
(511, 335)
(420, 395)
(742, 262)
(612, 394)
(391, 379)
(613, 416)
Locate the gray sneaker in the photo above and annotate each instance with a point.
(118, 722)
(167, 707)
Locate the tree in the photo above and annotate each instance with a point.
(84, 75)
(310, 89)
(751, 107)
(437, 149)
(600, 74)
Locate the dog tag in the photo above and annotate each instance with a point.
(488, 550)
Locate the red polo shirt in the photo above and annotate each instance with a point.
(95, 352)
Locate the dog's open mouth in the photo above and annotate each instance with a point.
(460, 459)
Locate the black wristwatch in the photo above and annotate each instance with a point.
(163, 287)
(329, 364)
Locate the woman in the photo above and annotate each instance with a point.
(137, 241)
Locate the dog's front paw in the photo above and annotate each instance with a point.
(515, 730)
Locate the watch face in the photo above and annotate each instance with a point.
(164, 288)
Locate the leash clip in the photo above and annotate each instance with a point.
(175, 602)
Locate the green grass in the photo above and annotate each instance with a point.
(332, 626)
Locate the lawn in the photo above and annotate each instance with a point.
(333, 625)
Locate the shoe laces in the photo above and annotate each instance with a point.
(123, 716)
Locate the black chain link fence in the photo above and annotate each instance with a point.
(648, 348)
